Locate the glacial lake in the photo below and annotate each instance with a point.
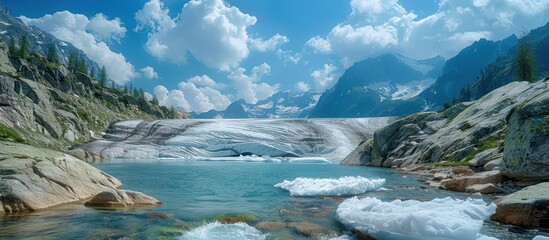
(196, 193)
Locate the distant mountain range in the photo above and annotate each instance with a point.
(280, 105)
(395, 85)
(383, 86)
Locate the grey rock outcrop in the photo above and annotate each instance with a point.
(527, 140)
(33, 178)
(528, 207)
(114, 198)
(469, 131)
(461, 184)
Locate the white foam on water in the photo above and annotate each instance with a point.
(219, 231)
(345, 186)
(445, 218)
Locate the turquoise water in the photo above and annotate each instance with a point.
(194, 193)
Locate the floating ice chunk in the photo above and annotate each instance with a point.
(309, 160)
(346, 237)
(445, 218)
(216, 230)
(344, 186)
(540, 237)
(483, 237)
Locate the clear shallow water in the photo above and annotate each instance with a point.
(194, 193)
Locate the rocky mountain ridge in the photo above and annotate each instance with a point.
(280, 105)
(383, 86)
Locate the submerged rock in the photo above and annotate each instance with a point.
(121, 198)
(34, 178)
(270, 226)
(528, 207)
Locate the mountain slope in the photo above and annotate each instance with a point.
(46, 104)
(12, 28)
(383, 86)
(463, 69)
(503, 70)
(280, 105)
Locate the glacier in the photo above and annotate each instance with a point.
(216, 230)
(345, 186)
(444, 218)
(294, 140)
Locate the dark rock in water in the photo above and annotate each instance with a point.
(519, 230)
(270, 226)
(236, 218)
(528, 207)
(156, 215)
(121, 198)
(311, 229)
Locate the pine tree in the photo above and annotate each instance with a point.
(154, 100)
(24, 47)
(73, 59)
(52, 54)
(81, 65)
(525, 61)
(12, 48)
(103, 78)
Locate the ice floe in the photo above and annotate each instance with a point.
(216, 230)
(444, 218)
(345, 186)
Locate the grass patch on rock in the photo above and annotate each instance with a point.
(8, 134)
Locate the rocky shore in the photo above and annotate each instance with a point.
(496, 146)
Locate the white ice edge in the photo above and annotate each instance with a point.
(445, 218)
(344, 186)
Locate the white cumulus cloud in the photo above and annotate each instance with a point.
(206, 81)
(375, 27)
(173, 98)
(104, 29)
(191, 97)
(203, 99)
(302, 86)
(88, 36)
(149, 73)
(319, 45)
(269, 44)
(325, 77)
(214, 32)
(248, 87)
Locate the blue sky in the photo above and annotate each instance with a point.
(203, 54)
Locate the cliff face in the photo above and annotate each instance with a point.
(52, 106)
(471, 134)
